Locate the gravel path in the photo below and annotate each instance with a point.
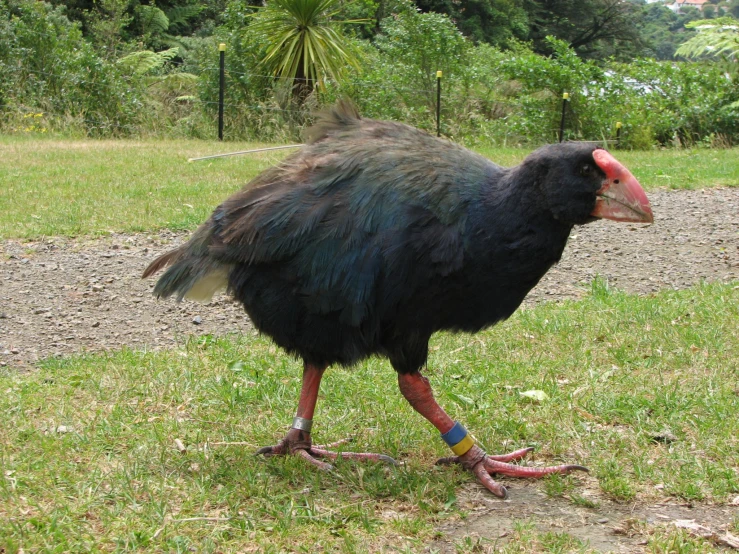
(62, 296)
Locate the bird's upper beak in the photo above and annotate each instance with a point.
(621, 198)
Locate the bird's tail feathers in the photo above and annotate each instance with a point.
(339, 116)
(192, 273)
(160, 263)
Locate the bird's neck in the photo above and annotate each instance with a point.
(512, 207)
(516, 193)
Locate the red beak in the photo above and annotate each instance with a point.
(621, 198)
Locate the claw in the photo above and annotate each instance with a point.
(496, 488)
(387, 459)
(266, 450)
(483, 466)
(298, 442)
(510, 457)
(494, 466)
(447, 461)
(310, 459)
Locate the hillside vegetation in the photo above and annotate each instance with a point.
(123, 68)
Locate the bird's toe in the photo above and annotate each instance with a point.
(387, 459)
(447, 461)
(265, 450)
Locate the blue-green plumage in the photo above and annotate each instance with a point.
(375, 235)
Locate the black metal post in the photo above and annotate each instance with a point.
(618, 134)
(438, 103)
(221, 88)
(565, 97)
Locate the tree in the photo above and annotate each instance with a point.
(664, 30)
(156, 25)
(593, 28)
(491, 21)
(303, 43)
(419, 45)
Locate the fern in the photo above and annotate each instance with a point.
(178, 80)
(716, 38)
(146, 61)
(179, 16)
(153, 20)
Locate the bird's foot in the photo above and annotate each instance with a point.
(299, 443)
(483, 466)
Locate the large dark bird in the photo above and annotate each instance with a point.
(375, 235)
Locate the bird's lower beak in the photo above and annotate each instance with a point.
(621, 198)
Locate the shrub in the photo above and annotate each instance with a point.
(47, 67)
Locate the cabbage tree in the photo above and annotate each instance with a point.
(304, 43)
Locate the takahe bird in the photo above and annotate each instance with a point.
(375, 235)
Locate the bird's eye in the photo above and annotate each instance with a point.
(586, 169)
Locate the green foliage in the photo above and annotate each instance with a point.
(46, 67)
(536, 85)
(110, 85)
(593, 28)
(514, 97)
(152, 20)
(664, 30)
(303, 45)
(717, 38)
(490, 21)
(252, 110)
(146, 61)
(683, 103)
(399, 81)
(106, 26)
(657, 102)
(418, 45)
(155, 24)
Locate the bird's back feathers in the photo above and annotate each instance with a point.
(370, 238)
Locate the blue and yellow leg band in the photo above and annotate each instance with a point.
(458, 439)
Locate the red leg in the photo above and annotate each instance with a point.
(417, 390)
(298, 441)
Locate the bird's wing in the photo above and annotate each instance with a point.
(350, 210)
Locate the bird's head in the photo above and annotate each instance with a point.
(581, 182)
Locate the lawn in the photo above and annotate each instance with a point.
(152, 451)
(50, 187)
(90, 458)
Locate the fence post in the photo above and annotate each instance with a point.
(565, 98)
(221, 88)
(438, 103)
(618, 134)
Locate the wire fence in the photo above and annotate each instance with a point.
(435, 97)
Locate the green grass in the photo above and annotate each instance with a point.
(53, 188)
(88, 458)
(673, 168)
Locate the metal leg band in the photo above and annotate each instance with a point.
(302, 424)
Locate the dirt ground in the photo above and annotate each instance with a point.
(63, 296)
(610, 527)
